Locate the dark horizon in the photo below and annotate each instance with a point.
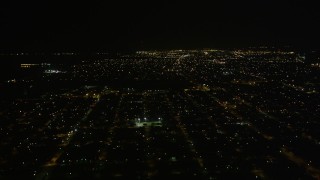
(98, 25)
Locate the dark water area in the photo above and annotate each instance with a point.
(10, 64)
(8, 69)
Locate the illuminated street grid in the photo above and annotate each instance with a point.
(211, 114)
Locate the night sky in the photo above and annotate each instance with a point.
(129, 25)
